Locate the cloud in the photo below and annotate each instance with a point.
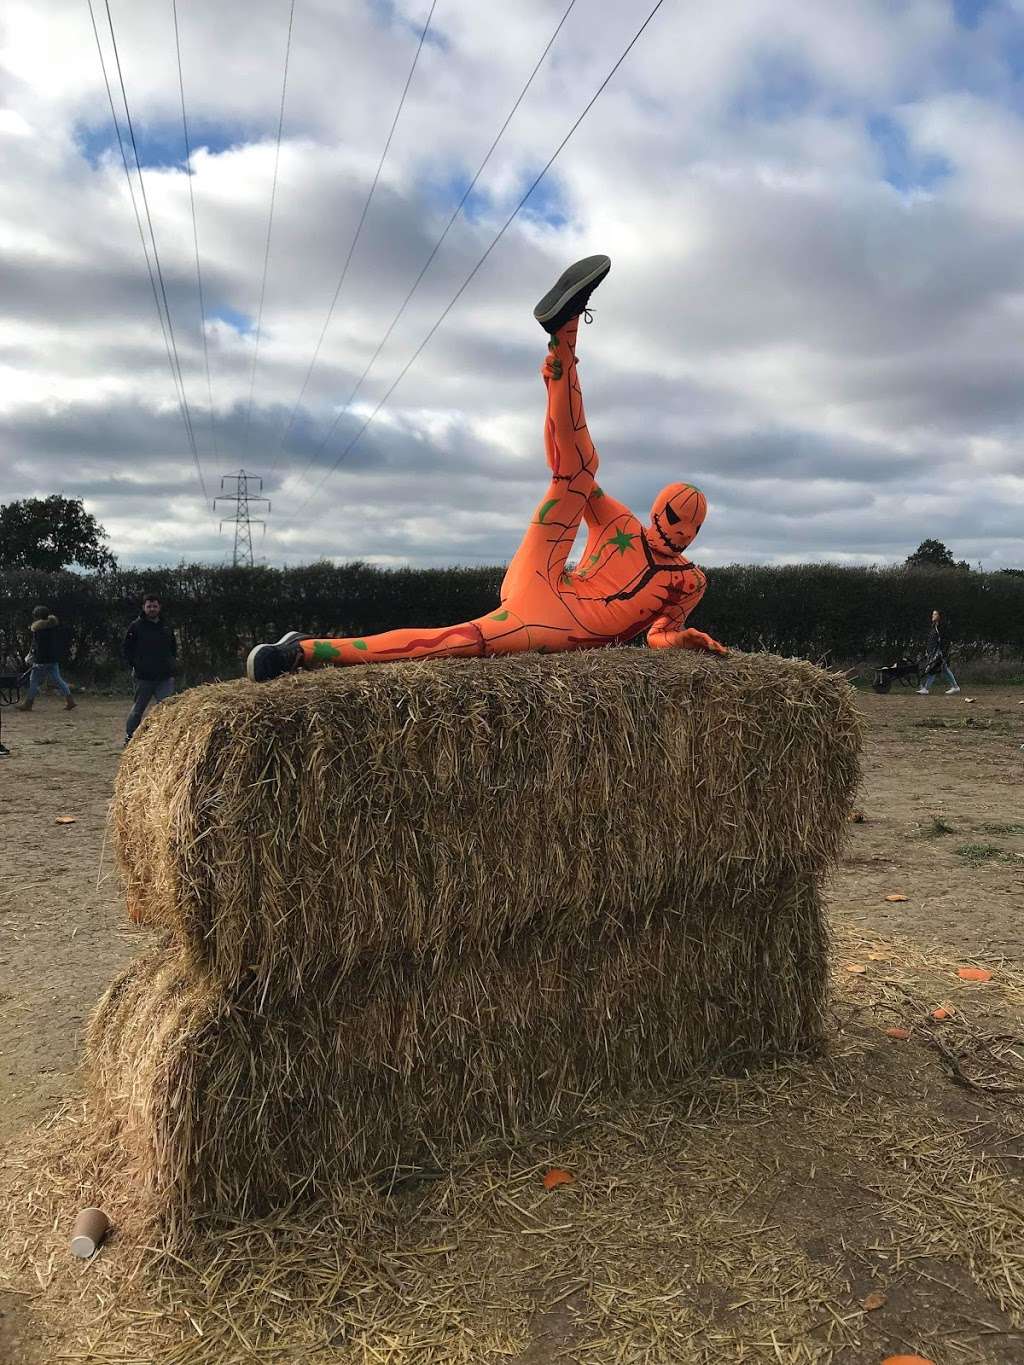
(816, 221)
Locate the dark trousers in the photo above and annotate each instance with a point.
(145, 692)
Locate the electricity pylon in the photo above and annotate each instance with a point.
(242, 522)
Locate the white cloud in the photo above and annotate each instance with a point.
(815, 216)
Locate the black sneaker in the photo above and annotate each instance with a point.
(270, 661)
(571, 293)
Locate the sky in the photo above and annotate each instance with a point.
(815, 215)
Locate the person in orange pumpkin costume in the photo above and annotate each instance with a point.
(630, 578)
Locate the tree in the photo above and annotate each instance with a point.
(52, 533)
(932, 554)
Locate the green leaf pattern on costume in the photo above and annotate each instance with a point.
(323, 649)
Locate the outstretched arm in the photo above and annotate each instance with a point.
(668, 631)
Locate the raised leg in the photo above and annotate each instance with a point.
(539, 562)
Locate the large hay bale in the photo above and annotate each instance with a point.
(221, 1103)
(342, 820)
(413, 907)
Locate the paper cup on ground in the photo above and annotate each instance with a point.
(90, 1228)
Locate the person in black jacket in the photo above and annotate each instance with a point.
(47, 647)
(937, 659)
(151, 650)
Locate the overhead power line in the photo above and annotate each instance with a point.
(358, 233)
(440, 241)
(270, 226)
(156, 280)
(195, 232)
(156, 255)
(347, 449)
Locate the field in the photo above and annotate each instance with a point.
(748, 1220)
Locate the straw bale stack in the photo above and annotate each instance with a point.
(346, 817)
(416, 906)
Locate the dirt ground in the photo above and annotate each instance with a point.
(943, 825)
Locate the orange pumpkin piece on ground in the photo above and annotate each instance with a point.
(555, 1177)
(974, 974)
(897, 897)
(907, 1360)
(901, 1034)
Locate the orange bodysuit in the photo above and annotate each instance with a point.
(629, 579)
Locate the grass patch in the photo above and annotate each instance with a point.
(980, 853)
(935, 827)
(1003, 829)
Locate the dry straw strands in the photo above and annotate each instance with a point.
(419, 907)
(347, 818)
(217, 1105)
(729, 1220)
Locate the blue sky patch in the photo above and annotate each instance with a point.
(969, 13)
(241, 322)
(161, 144)
(547, 202)
(444, 194)
(902, 167)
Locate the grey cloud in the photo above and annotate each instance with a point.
(823, 353)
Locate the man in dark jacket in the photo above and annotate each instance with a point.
(47, 647)
(151, 650)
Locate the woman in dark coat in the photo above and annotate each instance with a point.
(937, 659)
(46, 653)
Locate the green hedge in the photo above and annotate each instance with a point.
(816, 611)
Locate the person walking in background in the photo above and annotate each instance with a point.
(45, 659)
(151, 650)
(937, 657)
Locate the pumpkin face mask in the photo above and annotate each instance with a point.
(676, 516)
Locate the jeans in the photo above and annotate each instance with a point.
(145, 692)
(40, 672)
(932, 676)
